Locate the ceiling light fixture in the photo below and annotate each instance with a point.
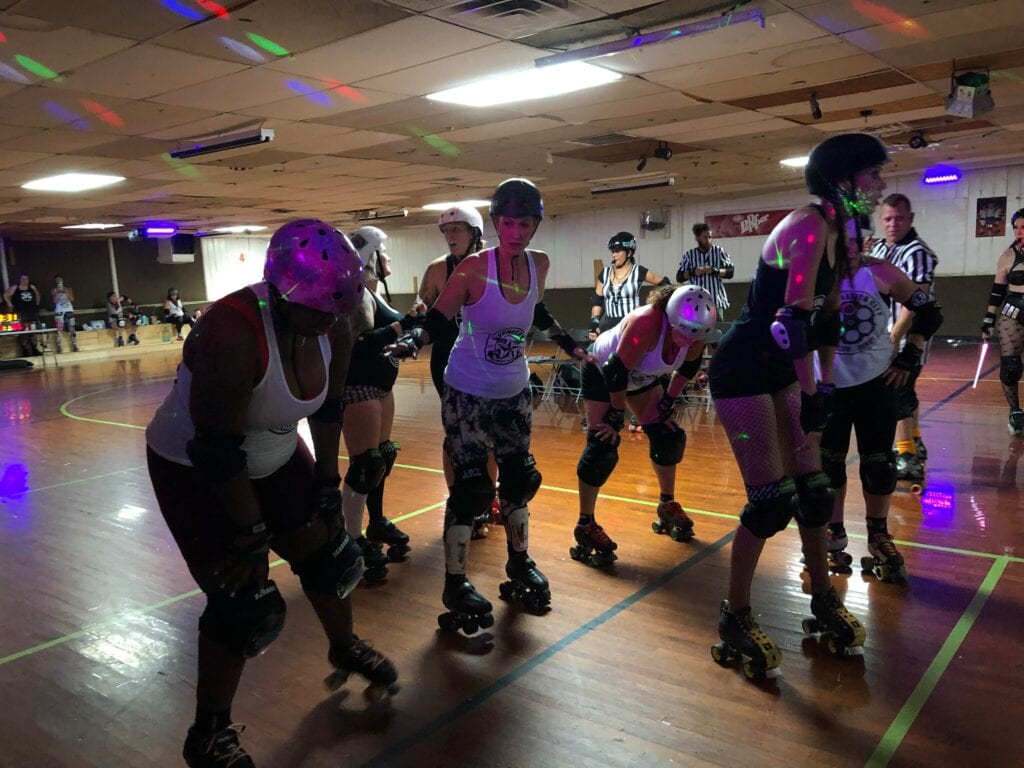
(663, 151)
(815, 106)
(527, 85)
(632, 184)
(446, 206)
(92, 225)
(941, 174)
(641, 164)
(72, 182)
(240, 229)
(795, 162)
(917, 141)
(398, 213)
(213, 144)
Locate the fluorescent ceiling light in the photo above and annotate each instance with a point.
(628, 184)
(73, 182)
(794, 162)
(241, 229)
(446, 206)
(527, 84)
(92, 225)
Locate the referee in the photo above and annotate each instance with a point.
(706, 266)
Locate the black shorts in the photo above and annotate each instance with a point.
(868, 408)
(595, 389)
(748, 362)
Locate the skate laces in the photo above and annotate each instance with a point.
(746, 621)
(223, 748)
(597, 534)
(883, 544)
(362, 657)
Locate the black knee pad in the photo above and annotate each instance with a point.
(389, 450)
(332, 570)
(769, 507)
(598, 460)
(246, 623)
(834, 465)
(365, 471)
(471, 495)
(518, 478)
(878, 473)
(666, 445)
(1010, 370)
(906, 402)
(816, 500)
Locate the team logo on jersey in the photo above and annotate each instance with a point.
(282, 430)
(504, 347)
(861, 315)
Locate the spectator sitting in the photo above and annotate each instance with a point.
(174, 312)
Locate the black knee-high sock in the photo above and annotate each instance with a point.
(375, 502)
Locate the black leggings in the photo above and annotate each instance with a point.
(868, 408)
(180, 320)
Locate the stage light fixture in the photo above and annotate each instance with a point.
(641, 164)
(917, 141)
(663, 151)
(815, 106)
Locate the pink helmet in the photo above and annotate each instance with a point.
(311, 263)
(692, 312)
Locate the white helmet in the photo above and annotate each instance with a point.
(369, 241)
(464, 213)
(691, 311)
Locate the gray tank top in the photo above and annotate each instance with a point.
(865, 350)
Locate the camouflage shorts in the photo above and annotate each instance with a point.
(474, 426)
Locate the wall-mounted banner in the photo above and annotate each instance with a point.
(991, 220)
(745, 224)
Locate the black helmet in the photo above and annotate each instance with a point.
(516, 198)
(840, 158)
(622, 241)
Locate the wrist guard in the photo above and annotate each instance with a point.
(410, 321)
(615, 417)
(908, 359)
(815, 409)
(595, 322)
(989, 322)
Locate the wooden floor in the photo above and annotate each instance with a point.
(97, 647)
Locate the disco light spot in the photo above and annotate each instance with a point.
(36, 68)
(182, 10)
(884, 15)
(346, 91)
(74, 119)
(105, 114)
(185, 169)
(268, 45)
(215, 8)
(317, 97)
(444, 147)
(243, 50)
(10, 73)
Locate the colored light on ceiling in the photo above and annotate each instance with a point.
(268, 45)
(36, 68)
(215, 8)
(317, 97)
(446, 206)
(10, 73)
(527, 85)
(66, 115)
(92, 225)
(941, 174)
(243, 50)
(795, 162)
(182, 10)
(3, 37)
(73, 182)
(346, 91)
(105, 114)
(884, 15)
(435, 141)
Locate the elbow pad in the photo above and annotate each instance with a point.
(829, 329)
(217, 456)
(790, 331)
(689, 368)
(730, 270)
(997, 295)
(598, 301)
(616, 377)
(541, 317)
(927, 320)
(682, 276)
(329, 412)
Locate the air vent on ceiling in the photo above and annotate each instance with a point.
(602, 139)
(515, 18)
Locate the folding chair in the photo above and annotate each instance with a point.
(558, 378)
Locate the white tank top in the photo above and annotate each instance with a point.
(865, 350)
(272, 418)
(650, 366)
(488, 359)
(61, 302)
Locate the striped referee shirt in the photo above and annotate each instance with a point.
(913, 257)
(717, 258)
(621, 299)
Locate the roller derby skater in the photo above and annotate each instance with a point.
(486, 403)
(233, 480)
(360, 658)
(665, 336)
(1005, 314)
(763, 377)
(884, 562)
(742, 638)
(844, 631)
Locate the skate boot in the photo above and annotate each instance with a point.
(673, 521)
(839, 560)
(120, 341)
(132, 339)
(634, 425)
(910, 469)
(526, 584)
(742, 638)
(218, 749)
(845, 633)
(362, 659)
(374, 560)
(885, 562)
(1016, 423)
(386, 533)
(593, 546)
(468, 610)
(922, 451)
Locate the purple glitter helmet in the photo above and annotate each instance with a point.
(692, 312)
(311, 263)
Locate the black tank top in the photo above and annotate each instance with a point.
(24, 302)
(368, 366)
(1015, 276)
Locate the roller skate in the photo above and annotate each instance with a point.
(386, 533)
(885, 562)
(673, 521)
(593, 546)
(839, 560)
(910, 469)
(635, 426)
(120, 341)
(216, 749)
(468, 610)
(374, 560)
(831, 619)
(362, 659)
(742, 638)
(1016, 423)
(526, 584)
(921, 450)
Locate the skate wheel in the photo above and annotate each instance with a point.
(336, 679)
(809, 626)
(446, 622)
(720, 653)
(752, 672)
(486, 621)
(577, 553)
(505, 590)
(867, 563)
(657, 527)
(470, 627)
(398, 554)
(916, 488)
(835, 648)
(844, 558)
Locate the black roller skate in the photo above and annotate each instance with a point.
(839, 560)
(674, 521)
(217, 749)
(374, 560)
(1016, 423)
(468, 610)
(593, 546)
(361, 658)
(386, 533)
(526, 584)
(921, 451)
(885, 562)
(844, 631)
(910, 469)
(742, 638)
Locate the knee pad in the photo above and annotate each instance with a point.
(389, 450)
(334, 569)
(878, 473)
(246, 623)
(834, 465)
(365, 471)
(816, 500)
(769, 507)
(597, 461)
(1010, 370)
(519, 478)
(906, 402)
(666, 445)
(471, 495)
